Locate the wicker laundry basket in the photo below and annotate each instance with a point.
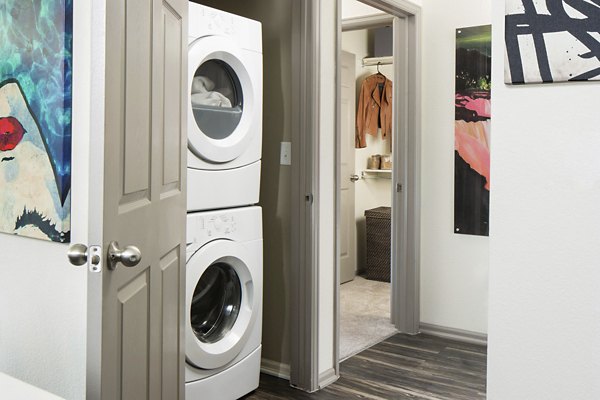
(379, 231)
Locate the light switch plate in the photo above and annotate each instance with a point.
(286, 153)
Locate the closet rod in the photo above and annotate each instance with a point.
(373, 61)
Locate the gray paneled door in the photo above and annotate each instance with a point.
(136, 314)
(348, 130)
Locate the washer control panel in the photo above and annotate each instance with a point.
(219, 225)
(239, 225)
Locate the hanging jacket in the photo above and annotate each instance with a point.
(374, 109)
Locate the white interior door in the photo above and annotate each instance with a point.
(348, 178)
(137, 198)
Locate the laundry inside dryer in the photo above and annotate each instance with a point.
(217, 99)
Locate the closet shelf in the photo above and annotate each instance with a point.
(373, 61)
(377, 173)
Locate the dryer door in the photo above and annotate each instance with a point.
(222, 115)
(220, 304)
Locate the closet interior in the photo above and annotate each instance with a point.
(366, 187)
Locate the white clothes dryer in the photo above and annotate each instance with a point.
(224, 281)
(225, 82)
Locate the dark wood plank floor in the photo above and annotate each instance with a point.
(401, 367)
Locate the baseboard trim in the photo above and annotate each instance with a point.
(327, 377)
(455, 334)
(274, 368)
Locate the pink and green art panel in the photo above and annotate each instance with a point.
(472, 130)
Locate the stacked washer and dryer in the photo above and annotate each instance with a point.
(224, 270)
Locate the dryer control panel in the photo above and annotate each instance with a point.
(206, 21)
(219, 21)
(213, 21)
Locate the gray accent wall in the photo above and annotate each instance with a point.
(276, 17)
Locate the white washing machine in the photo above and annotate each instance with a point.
(224, 281)
(225, 82)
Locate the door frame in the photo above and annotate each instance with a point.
(304, 299)
(406, 158)
(304, 295)
(95, 201)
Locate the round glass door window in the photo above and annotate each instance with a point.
(216, 303)
(217, 99)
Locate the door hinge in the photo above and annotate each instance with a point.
(398, 187)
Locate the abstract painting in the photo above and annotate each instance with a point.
(552, 41)
(472, 130)
(36, 41)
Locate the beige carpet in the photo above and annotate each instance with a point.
(364, 315)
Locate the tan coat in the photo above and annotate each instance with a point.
(373, 107)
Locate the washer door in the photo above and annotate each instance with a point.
(222, 100)
(220, 304)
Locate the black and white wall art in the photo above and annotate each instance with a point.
(552, 41)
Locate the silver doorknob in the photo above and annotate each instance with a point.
(354, 178)
(130, 256)
(78, 254)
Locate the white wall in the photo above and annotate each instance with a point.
(544, 336)
(42, 309)
(43, 297)
(374, 190)
(454, 268)
(354, 8)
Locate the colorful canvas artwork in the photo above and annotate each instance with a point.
(472, 130)
(552, 41)
(36, 39)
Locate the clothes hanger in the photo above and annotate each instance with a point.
(379, 72)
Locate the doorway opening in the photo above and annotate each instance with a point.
(365, 192)
(385, 215)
